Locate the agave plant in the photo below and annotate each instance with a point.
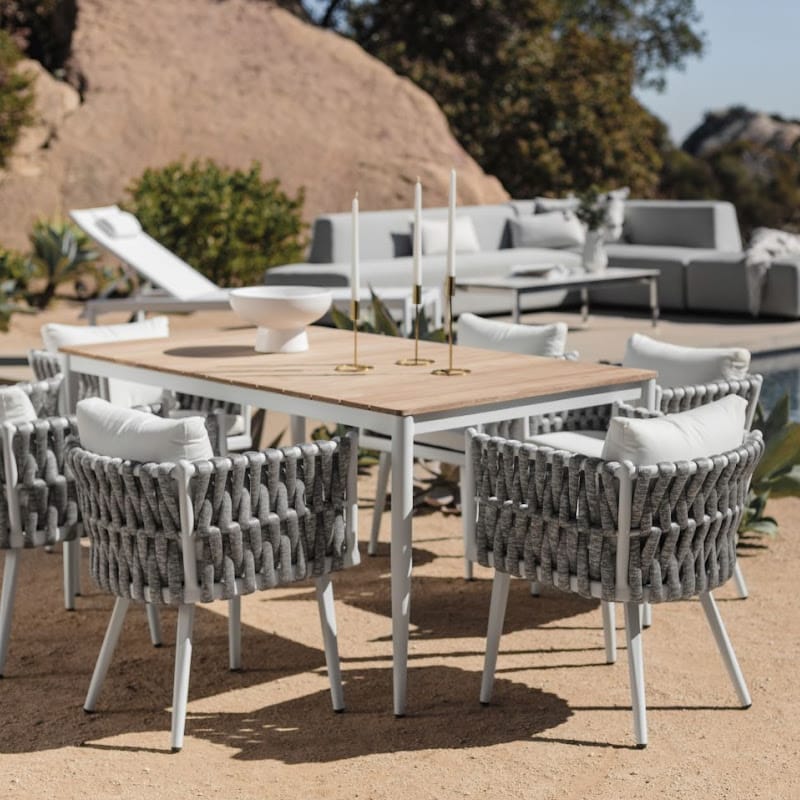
(778, 472)
(59, 253)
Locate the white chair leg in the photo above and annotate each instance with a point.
(183, 663)
(381, 492)
(497, 614)
(235, 633)
(739, 582)
(68, 563)
(725, 648)
(153, 623)
(536, 588)
(7, 603)
(75, 551)
(106, 652)
(633, 633)
(610, 631)
(646, 611)
(327, 618)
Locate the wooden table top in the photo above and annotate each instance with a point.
(227, 356)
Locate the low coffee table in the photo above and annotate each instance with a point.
(521, 285)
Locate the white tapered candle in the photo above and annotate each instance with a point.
(451, 225)
(354, 275)
(417, 249)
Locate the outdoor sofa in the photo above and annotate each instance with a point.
(667, 235)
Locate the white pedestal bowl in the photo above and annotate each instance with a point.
(281, 313)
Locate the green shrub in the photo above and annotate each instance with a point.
(14, 274)
(229, 224)
(16, 97)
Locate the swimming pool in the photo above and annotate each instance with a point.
(781, 371)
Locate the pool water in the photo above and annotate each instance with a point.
(781, 371)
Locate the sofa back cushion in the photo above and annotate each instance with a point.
(678, 365)
(682, 223)
(387, 234)
(703, 431)
(436, 236)
(109, 430)
(531, 340)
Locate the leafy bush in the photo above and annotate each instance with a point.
(60, 252)
(16, 97)
(14, 274)
(229, 224)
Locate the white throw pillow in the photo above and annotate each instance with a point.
(123, 393)
(703, 431)
(119, 224)
(435, 233)
(532, 340)
(109, 430)
(16, 406)
(615, 213)
(680, 366)
(554, 229)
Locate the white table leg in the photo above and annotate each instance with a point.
(584, 304)
(402, 511)
(517, 306)
(297, 429)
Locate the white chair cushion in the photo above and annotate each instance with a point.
(678, 366)
(589, 443)
(233, 423)
(435, 232)
(15, 406)
(126, 433)
(123, 393)
(555, 229)
(532, 340)
(704, 431)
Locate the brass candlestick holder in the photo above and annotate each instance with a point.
(450, 288)
(416, 299)
(355, 367)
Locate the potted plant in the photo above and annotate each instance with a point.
(592, 212)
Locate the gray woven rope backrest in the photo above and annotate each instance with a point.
(558, 511)
(205, 405)
(265, 518)
(45, 490)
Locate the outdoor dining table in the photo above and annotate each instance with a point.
(398, 401)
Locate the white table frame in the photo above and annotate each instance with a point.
(401, 429)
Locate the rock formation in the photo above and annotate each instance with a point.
(236, 81)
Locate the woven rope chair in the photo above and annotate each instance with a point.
(670, 400)
(609, 530)
(37, 502)
(179, 534)
(230, 416)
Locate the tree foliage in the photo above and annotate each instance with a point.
(540, 99)
(16, 97)
(42, 29)
(229, 224)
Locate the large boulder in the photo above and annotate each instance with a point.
(236, 82)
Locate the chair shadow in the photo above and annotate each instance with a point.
(445, 715)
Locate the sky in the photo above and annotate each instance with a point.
(752, 58)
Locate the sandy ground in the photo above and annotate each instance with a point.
(560, 726)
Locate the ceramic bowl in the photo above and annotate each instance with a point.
(281, 314)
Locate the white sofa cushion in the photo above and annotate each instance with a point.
(15, 406)
(556, 229)
(704, 431)
(435, 233)
(532, 340)
(126, 433)
(589, 443)
(123, 393)
(679, 366)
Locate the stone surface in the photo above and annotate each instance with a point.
(235, 81)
